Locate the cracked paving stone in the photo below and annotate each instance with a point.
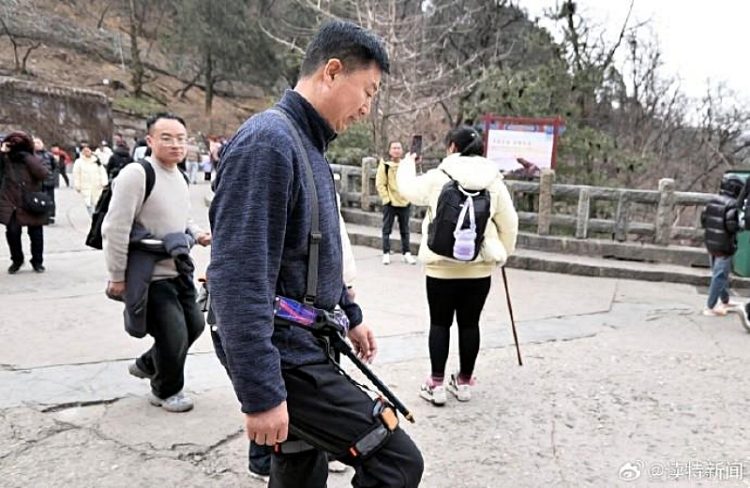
(79, 458)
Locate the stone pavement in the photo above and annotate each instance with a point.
(624, 383)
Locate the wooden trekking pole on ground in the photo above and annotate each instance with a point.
(512, 320)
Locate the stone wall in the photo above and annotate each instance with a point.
(56, 114)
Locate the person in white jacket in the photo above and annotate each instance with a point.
(89, 178)
(456, 287)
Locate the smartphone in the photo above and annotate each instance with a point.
(416, 144)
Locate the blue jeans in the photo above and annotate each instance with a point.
(721, 266)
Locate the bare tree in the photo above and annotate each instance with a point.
(218, 44)
(661, 132)
(136, 18)
(22, 46)
(440, 52)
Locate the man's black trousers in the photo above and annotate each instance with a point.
(329, 411)
(389, 214)
(175, 321)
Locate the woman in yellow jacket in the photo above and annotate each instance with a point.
(456, 287)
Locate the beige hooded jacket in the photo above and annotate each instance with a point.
(474, 173)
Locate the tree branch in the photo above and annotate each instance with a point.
(26, 56)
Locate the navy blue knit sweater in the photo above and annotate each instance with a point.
(260, 220)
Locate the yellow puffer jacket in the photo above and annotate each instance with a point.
(473, 172)
(385, 182)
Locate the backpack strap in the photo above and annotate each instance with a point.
(467, 207)
(313, 255)
(460, 187)
(150, 177)
(184, 177)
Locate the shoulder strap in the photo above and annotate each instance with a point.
(185, 177)
(150, 177)
(313, 255)
(463, 190)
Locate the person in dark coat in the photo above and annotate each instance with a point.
(720, 220)
(53, 177)
(22, 170)
(119, 159)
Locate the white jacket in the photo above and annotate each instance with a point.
(89, 178)
(472, 173)
(349, 266)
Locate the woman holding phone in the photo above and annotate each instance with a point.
(23, 172)
(459, 286)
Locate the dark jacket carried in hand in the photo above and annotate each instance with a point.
(141, 260)
(19, 169)
(721, 221)
(260, 221)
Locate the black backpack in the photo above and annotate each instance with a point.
(94, 238)
(454, 203)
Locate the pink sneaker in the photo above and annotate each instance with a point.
(460, 388)
(729, 307)
(714, 312)
(433, 392)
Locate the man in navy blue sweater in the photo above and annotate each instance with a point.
(261, 221)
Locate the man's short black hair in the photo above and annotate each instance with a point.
(163, 115)
(355, 46)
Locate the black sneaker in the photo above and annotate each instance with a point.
(38, 268)
(13, 269)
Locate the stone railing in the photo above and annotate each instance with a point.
(351, 184)
(662, 216)
(656, 216)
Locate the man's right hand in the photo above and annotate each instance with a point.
(270, 427)
(116, 290)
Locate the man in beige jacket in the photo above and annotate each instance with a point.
(394, 205)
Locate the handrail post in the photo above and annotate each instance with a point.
(622, 217)
(584, 208)
(368, 164)
(665, 211)
(544, 218)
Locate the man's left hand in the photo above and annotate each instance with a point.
(363, 340)
(203, 238)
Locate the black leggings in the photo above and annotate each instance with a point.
(465, 298)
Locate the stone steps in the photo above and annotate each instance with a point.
(577, 261)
